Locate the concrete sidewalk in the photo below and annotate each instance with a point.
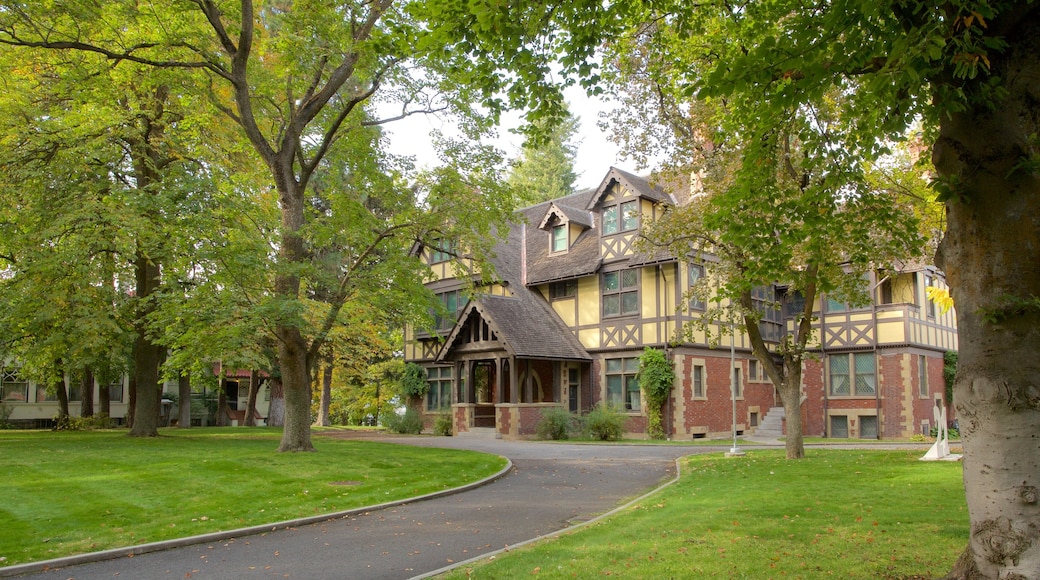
(551, 486)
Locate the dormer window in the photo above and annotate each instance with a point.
(441, 251)
(623, 217)
(559, 238)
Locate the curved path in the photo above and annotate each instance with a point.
(551, 486)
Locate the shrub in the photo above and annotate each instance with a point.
(556, 424)
(413, 381)
(443, 425)
(99, 421)
(605, 423)
(5, 415)
(409, 423)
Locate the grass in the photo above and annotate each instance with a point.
(836, 514)
(75, 492)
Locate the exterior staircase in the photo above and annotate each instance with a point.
(772, 425)
(480, 433)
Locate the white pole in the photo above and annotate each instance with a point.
(734, 451)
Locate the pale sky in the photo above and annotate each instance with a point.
(596, 153)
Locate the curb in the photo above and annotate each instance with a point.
(492, 555)
(115, 553)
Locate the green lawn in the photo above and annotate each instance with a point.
(836, 514)
(73, 492)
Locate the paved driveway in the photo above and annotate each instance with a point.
(551, 486)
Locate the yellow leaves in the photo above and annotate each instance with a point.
(941, 297)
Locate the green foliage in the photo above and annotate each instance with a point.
(407, 423)
(954, 433)
(157, 501)
(605, 423)
(413, 382)
(556, 424)
(656, 377)
(545, 169)
(5, 415)
(443, 424)
(949, 373)
(69, 423)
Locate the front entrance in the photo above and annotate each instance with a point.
(484, 379)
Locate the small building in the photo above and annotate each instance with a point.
(574, 304)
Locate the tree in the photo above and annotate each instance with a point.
(801, 217)
(967, 69)
(545, 169)
(295, 80)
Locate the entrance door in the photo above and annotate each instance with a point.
(484, 392)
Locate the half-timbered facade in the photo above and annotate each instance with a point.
(575, 304)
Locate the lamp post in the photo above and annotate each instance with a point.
(734, 451)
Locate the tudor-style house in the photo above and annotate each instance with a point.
(575, 305)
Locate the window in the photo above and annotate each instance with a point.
(885, 289)
(696, 274)
(853, 374)
(622, 386)
(840, 426)
(698, 381)
(440, 251)
(835, 306)
(610, 221)
(794, 303)
(929, 306)
(573, 385)
(41, 394)
(922, 374)
(565, 289)
(115, 391)
(439, 395)
(765, 301)
(559, 238)
(629, 216)
(620, 293)
(13, 387)
(868, 427)
(621, 218)
(453, 301)
(738, 388)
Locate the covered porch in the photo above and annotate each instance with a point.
(508, 373)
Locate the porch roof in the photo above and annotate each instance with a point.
(525, 324)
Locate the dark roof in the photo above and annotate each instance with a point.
(638, 185)
(572, 214)
(526, 325)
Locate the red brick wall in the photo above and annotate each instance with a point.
(716, 411)
(529, 418)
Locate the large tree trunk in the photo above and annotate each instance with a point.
(991, 256)
(105, 401)
(296, 384)
(63, 400)
(276, 410)
(326, 395)
(223, 410)
(147, 356)
(184, 401)
(791, 399)
(254, 389)
(86, 394)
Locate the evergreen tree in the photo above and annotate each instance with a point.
(545, 169)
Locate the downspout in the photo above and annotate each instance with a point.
(523, 255)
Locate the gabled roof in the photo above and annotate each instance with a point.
(524, 324)
(637, 185)
(582, 258)
(572, 215)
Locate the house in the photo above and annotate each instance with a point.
(575, 304)
(32, 405)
